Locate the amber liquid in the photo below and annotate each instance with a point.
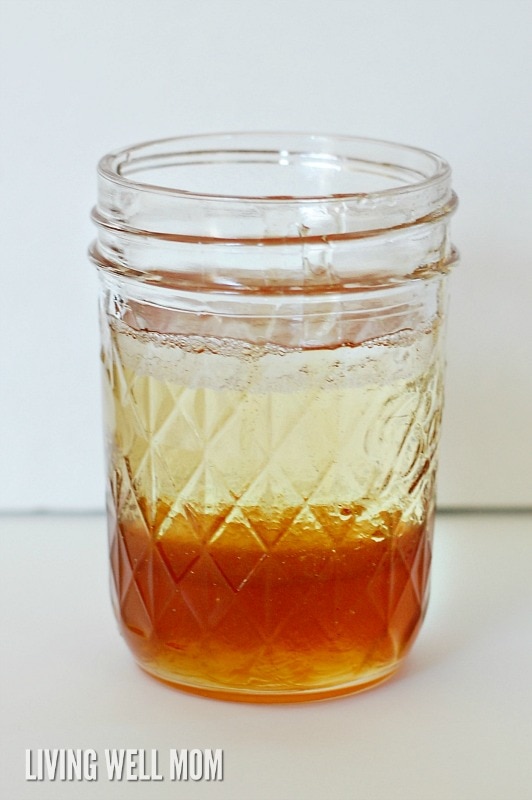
(272, 536)
(288, 619)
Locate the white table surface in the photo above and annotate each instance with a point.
(454, 724)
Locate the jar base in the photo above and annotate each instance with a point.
(276, 697)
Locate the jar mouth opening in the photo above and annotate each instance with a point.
(273, 211)
(282, 169)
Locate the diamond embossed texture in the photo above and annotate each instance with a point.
(271, 508)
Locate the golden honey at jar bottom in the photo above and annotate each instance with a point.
(273, 508)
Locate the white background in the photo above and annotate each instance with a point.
(81, 77)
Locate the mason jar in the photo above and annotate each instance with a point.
(272, 316)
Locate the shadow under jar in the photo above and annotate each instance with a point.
(272, 311)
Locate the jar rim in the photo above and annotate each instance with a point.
(360, 200)
(116, 165)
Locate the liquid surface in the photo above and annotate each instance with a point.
(273, 507)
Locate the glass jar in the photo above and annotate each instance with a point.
(272, 310)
